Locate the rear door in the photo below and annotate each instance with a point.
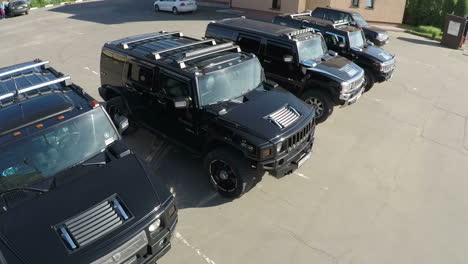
(140, 88)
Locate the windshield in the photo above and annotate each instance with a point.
(42, 155)
(230, 83)
(356, 39)
(359, 20)
(311, 49)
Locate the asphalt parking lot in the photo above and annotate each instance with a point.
(386, 183)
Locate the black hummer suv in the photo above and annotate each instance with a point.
(374, 34)
(298, 60)
(70, 189)
(349, 42)
(212, 99)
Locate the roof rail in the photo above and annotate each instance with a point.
(161, 34)
(292, 34)
(44, 84)
(157, 54)
(301, 14)
(24, 68)
(207, 51)
(341, 24)
(5, 96)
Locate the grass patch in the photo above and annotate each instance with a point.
(41, 3)
(426, 31)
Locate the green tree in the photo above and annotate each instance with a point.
(461, 8)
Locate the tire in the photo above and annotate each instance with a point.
(117, 106)
(27, 12)
(156, 8)
(225, 162)
(321, 103)
(369, 81)
(175, 11)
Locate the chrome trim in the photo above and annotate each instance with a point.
(67, 237)
(120, 208)
(24, 68)
(37, 86)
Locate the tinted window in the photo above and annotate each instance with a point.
(276, 52)
(173, 87)
(318, 13)
(248, 44)
(370, 4)
(143, 76)
(333, 40)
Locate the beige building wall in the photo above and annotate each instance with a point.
(312, 4)
(389, 11)
(287, 6)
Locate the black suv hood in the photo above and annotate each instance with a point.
(337, 68)
(251, 115)
(374, 29)
(30, 227)
(377, 53)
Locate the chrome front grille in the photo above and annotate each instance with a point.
(93, 223)
(389, 66)
(357, 83)
(284, 117)
(298, 138)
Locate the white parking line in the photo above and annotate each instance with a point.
(86, 68)
(207, 199)
(197, 250)
(302, 175)
(95, 73)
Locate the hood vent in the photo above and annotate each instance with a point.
(93, 223)
(284, 117)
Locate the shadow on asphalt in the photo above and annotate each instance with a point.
(111, 12)
(176, 169)
(422, 42)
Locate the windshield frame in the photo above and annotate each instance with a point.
(53, 127)
(322, 42)
(363, 38)
(198, 87)
(360, 21)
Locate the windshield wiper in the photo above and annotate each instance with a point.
(24, 189)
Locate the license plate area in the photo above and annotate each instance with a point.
(303, 159)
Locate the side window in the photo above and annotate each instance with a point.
(173, 87)
(276, 52)
(333, 40)
(318, 13)
(370, 4)
(249, 44)
(355, 3)
(141, 75)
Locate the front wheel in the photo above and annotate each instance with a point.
(369, 81)
(320, 102)
(230, 173)
(175, 11)
(156, 8)
(27, 12)
(116, 106)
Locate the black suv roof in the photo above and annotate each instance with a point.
(337, 9)
(307, 17)
(267, 29)
(33, 92)
(183, 53)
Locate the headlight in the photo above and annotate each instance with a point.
(154, 226)
(247, 146)
(378, 65)
(345, 87)
(266, 152)
(381, 37)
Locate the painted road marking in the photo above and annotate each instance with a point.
(197, 250)
(302, 175)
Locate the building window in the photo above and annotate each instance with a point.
(355, 3)
(276, 4)
(370, 4)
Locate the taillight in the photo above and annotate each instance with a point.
(182, 4)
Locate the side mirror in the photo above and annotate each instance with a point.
(269, 85)
(370, 43)
(332, 53)
(288, 58)
(121, 122)
(181, 103)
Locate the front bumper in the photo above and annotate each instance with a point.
(381, 42)
(351, 97)
(19, 11)
(385, 76)
(290, 162)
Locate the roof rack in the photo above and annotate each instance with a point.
(161, 34)
(309, 13)
(157, 54)
(341, 24)
(207, 51)
(292, 34)
(24, 68)
(38, 86)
